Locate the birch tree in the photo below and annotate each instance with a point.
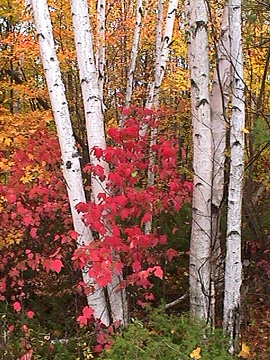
(70, 157)
(154, 101)
(92, 100)
(233, 265)
(134, 52)
(101, 46)
(200, 244)
(219, 104)
(162, 53)
(162, 50)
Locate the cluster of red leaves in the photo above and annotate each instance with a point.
(129, 202)
(34, 216)
(36, 233)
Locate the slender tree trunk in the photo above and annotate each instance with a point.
(70, 156)
(233, 265)
(219, 104)
(95, 126)
(163, 53)
(154, 101)
(200, 244)
(101, 46)
(150, 99)
(134, 52)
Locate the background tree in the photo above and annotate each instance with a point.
(200, 242)
(233, 263)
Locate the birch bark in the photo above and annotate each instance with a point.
(101, 45)
(163, 53)
(233, 265)
(200, 244)
(69, 153)
(134, 52)
(154, 101)
(95, 126)
(219, 104)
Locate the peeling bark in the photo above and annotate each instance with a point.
(69, 153)
(95, 127)
(154, 101)
(219, 104)
(200, 243)
(233, 265)
(162, 53)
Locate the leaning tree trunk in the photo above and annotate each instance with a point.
(151, 101)
(200, 243)
(161, 63)
(162, 53)
(134, 53)
(219, 104)
(233, 265)
(92, 100)
(101, 46)
(69, 153)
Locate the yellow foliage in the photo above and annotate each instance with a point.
(112, 123)
(14, 236)
(196, 354)
(3, 201)
(31, 173)
(245, 351)
(5, 164)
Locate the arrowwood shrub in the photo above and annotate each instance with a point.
(129, 202)
(36, 236)
(35, 219)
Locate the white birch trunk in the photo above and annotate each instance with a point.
(154, 101)
(95, 125)
(101, 46)
(134, 52)
(200, 243)
(233, 265)
(69, 153)
(162, 54)
(219, 104)
(161, 61)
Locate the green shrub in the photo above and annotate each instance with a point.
(168, 337)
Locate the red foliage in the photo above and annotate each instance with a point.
(36, 215)
(129, 203)
(37, 212)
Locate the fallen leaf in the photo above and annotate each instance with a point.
(196, 354)
(245, 351)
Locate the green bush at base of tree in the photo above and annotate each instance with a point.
(168, 337)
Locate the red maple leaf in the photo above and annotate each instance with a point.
(17, 306)
(158, 272)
